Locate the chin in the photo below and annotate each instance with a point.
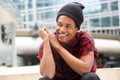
(62, 41)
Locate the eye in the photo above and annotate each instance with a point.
(68, 26)
(59, 24)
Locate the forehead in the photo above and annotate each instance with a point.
(64, 18)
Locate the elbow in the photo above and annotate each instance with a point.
(50, 75)
(45, 73)
(41, 73)
(84, 71)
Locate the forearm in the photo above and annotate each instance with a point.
(79, 66)
(47, 65)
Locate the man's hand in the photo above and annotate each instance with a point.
(43, 33)
(53, 40)
(46, 34)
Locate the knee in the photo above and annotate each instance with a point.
(90, 76)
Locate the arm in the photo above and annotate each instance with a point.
(47, 65)
(81, 65)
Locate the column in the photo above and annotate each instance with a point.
(14, 51)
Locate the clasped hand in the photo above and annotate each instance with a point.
(44, 33)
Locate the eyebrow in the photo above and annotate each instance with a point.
(68, 24)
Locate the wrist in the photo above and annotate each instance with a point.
(58, 47)
(45, 38)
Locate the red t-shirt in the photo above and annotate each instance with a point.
(80, 45)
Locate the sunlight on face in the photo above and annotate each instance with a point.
(65, 29)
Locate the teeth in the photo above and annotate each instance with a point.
(62, 35)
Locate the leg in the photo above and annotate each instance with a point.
(44, 78)
(90, 76)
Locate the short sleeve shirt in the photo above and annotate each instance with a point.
(80, 45)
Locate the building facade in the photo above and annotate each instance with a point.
(101, 16)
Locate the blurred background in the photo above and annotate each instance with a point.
(21, 19)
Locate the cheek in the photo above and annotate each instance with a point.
(57, 29)
(72, 33)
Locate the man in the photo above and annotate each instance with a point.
(68, 54)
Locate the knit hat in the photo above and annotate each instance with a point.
(74, 11)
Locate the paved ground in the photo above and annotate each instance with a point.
(32, 73)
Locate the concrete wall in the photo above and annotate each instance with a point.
(109, 73)
(32, 73)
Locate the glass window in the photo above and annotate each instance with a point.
(30, 1)
(30, 17)
(94, 22)
(38, 1)
(16, 1)
(105, 22)
(92, 9)
(119, 32)
(49, 3)
(21, 6)
(24, 25)
(30, 6)
(60, 2)
(31, 26)
(84, 25)
(39, 4)
(24, 18)
(115, 21)
(104, 7)
(38, 16)
(50, 15)
(114, 6)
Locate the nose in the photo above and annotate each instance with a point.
(62, 29)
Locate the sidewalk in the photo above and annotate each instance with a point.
(20, 73)
(32, 73)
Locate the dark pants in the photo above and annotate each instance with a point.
(88, 76)
(45, 78)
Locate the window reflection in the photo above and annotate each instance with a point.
(30, 17)
(115, 21)
(94, 22)
(104, 7)
(114, 6)
(105, 22)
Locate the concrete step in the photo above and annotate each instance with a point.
(32, 73)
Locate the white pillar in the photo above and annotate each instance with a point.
(0, 34)
(14, 51)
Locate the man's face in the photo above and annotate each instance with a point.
(65, 29)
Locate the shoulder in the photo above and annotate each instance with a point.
(83, 34)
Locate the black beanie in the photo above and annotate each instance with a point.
(74, 11)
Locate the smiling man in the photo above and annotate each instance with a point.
(69, 53)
